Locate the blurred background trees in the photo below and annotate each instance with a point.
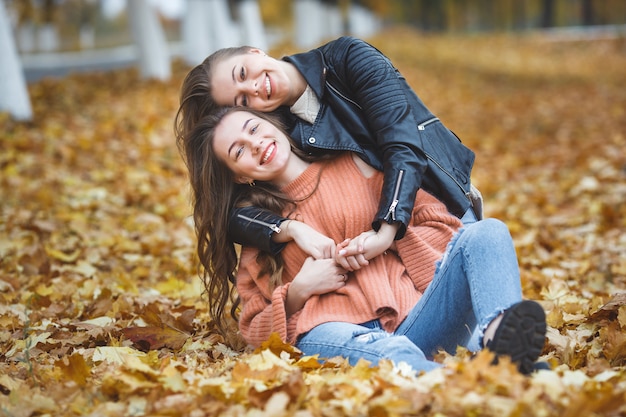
(54, 36)
(45, 25)
(481, 15)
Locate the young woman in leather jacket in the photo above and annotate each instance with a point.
(344, 95)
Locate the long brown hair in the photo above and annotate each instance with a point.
(196, 98)
(215, 194)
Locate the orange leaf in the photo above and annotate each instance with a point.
(153, 337)
(75, 368)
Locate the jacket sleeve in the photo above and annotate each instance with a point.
(263, 312)
(386, 100)
(253, 226)
(426, 240)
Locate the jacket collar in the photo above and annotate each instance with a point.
(312, 67)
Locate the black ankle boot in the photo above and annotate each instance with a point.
(520, 335)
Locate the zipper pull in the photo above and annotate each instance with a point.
(392, 210)
(422, 126)
(392, 207)
(273, 227)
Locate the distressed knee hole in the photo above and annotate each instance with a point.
(371, 336)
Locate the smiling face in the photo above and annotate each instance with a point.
(252, 148)
(252, 80)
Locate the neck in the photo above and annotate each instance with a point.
(294, 169)
(297, 83)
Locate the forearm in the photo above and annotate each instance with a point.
(387, 233)
(393, 116)
(308, 239)
(295, 300)
(255, 227)
(287, 232)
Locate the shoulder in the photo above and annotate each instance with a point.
(345, 40)
(346, 44)
(348, 52)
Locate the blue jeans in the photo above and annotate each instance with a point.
(469, 217)
(477, 278)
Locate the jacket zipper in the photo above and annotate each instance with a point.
(271, 226)
(423, 125)
(467, 194)
(392, 208)
(329, 85)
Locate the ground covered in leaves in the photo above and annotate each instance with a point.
(101, 311)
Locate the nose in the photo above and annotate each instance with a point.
(257, 146)
(253, 87)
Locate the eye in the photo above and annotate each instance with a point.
(244, 101)
(238, 152)
(242, 74)
(253, 129)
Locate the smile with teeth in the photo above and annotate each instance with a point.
(268, 87)
(269, 152)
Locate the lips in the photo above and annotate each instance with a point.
(268, 155)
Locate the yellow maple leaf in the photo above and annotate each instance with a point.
(75, 368)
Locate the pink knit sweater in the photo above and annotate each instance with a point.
(342, 207)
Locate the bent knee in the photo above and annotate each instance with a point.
(488, 230)
(388, 345)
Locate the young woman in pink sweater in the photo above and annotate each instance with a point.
(424, 292)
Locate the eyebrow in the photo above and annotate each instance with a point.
(242, 129)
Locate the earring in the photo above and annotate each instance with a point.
(251, 183)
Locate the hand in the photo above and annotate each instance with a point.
(316, 277)
(353, 254)
(312, 242)
(350, 254)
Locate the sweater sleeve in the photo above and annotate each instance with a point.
(263, 313)
(427, 237)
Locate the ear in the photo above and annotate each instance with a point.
(256, 51)
(243, 180)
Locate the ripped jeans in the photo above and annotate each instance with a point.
(477, 278)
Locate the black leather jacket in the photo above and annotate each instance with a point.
(367, 107)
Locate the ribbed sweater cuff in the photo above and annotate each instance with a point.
(288, 328)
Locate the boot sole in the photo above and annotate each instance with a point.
(521, 335)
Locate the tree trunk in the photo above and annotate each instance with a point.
(547, 14)
(519, 15)
(253, 32)
(587, 13)
(362, 22)
(197, 36)
(308, 23)
(225, 30)
(332, 19)
(154, 59)
(13, 92)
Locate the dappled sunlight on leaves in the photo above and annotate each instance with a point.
(102, 312)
